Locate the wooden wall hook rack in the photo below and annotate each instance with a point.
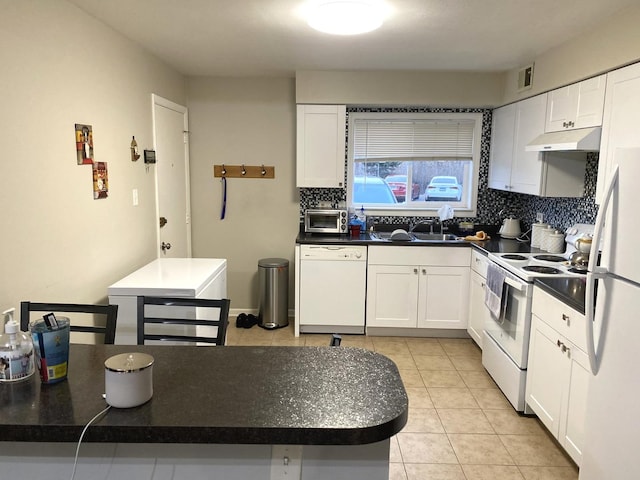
(244, 171)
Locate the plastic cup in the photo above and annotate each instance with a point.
(354, 229)
(51, 348)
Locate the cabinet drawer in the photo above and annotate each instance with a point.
(565, 320)
(435, 256)
(479, 263)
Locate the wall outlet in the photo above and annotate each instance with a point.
(539, 217)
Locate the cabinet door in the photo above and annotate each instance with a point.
(547, 373)
(443, 297)
(502, 132)
(620, 120)
(478, 312)
(590, 102)
(392, 296)
(320, 149)
(571, 435)
(579, 105)
(561, 108)
(526, 169)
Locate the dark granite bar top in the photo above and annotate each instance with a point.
(233, 395)
(568, 290)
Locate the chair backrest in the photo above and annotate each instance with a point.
(207, 317)
(110, 312)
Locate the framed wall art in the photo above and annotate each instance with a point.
(100, 180)
(84, 144)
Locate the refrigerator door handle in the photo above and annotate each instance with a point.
(596, 272)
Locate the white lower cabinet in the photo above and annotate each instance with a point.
(418, 287)
(558, 374)
(478, 312)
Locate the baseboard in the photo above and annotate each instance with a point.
(234, 312)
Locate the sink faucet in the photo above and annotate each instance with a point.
(421, 222)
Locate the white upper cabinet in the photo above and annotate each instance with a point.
(512, 168)
(620, 121)
(502, 133)
(526, 171)
(320, 149)
(579, 105)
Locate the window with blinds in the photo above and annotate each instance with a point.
(400, 162)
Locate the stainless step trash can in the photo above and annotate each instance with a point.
(273, 276)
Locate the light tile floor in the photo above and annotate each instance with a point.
(460, 426)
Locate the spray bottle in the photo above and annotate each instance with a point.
(16, 351)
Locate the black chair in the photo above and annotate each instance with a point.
(110, 313)
(182, 311)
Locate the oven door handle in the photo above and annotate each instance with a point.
(515, 285)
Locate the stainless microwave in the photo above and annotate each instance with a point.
(326, 221)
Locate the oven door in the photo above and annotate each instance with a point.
(511, 330)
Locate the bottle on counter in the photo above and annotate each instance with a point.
(16, 351)
(362, 218)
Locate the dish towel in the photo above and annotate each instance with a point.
(494, 290)
(445, 212)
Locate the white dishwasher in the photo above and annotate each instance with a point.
(333, 283)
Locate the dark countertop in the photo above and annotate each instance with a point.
(494, 245)
(233, 395)
(569, 290)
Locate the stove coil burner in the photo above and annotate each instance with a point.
(549, 258)
(541, 269)
(513, 256)
(575, 270)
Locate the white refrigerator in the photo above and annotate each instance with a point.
(612, 426)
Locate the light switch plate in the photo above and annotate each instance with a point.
(286, 462)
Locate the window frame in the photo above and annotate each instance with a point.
(430, 209)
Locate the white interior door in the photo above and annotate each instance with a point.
(171, 141)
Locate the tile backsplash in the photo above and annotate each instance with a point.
(558, 212)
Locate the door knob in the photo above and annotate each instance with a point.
(165, 246)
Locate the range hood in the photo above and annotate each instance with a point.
(582, 139)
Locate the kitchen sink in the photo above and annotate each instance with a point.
(434, 237)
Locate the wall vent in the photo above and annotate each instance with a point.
(525, 78)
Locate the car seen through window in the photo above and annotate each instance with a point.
(372, 190)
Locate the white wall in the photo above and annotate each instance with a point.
(459, 89)
(250, 121)
(61, 67)
(612, 43)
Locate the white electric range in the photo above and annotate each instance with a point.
(506, 338)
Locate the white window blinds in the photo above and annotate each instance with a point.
(412, 139)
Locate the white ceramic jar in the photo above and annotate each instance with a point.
(555, 242)
(536, 234)
(128, 379)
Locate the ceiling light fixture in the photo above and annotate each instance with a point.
(346, 17)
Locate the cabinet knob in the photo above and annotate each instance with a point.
(424, 271)
(415, 270)
(565, 317)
